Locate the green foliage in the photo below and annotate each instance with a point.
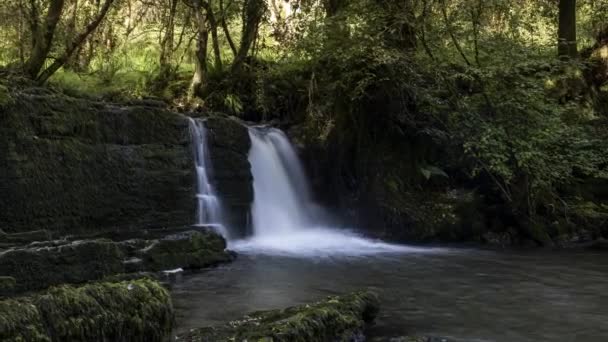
(119, 86)
(518, 134)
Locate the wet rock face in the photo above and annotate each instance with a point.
(229, 145)
(185, 250)
(138, 310)
(40, 265)
(73, 165)
(338, 318)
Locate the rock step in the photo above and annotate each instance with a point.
(40, 265)
(337, 318)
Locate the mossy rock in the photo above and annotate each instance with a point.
(25, 237)
(337, 318)
(67, 162)
(191, 249)
(42, 265)
(7, 285)
(5, 96)
(139, 310)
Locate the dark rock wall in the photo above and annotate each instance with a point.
(71, 165)
(229, 145)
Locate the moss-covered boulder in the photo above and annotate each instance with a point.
(5, 96)
(338, 318)
(75, 165)
(191, 249)
(229, 145)
(139, 310)
(7, 285)
(40, 266)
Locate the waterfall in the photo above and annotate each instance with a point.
(285, 218)
(281, 190)
(209, 209)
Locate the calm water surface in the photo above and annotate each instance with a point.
(462, 295)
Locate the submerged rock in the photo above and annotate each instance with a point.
(139, 310)
(337, 318)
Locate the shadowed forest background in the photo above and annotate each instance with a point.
(452, 120)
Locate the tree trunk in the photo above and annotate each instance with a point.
(78, 41)
(70, 33)
(332, 7)
(42, 38)
(566, 45)
(166, 48)
(252, 15)
(200, 71)
(225, 28)
(217, 54)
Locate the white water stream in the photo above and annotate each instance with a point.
(209, 209)
(285, 219)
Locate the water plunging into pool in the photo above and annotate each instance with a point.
(284, 216)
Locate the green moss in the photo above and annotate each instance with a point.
(138, 310)
(7, 285)
(91, 155)
(338, 318)
(187, 250)
(44, 265)
(538, 232)
(5, 97)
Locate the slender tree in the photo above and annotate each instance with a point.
(224, 13)
(253, 13)
(42, 35)
(76, 42)
(567, 47)
(167, 42)
(202, 38)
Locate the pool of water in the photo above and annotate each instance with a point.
(459, 294)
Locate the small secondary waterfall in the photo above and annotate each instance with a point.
(285, 218)
(209, 210)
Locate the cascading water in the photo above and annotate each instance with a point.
(285, 218)
(209, 210)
